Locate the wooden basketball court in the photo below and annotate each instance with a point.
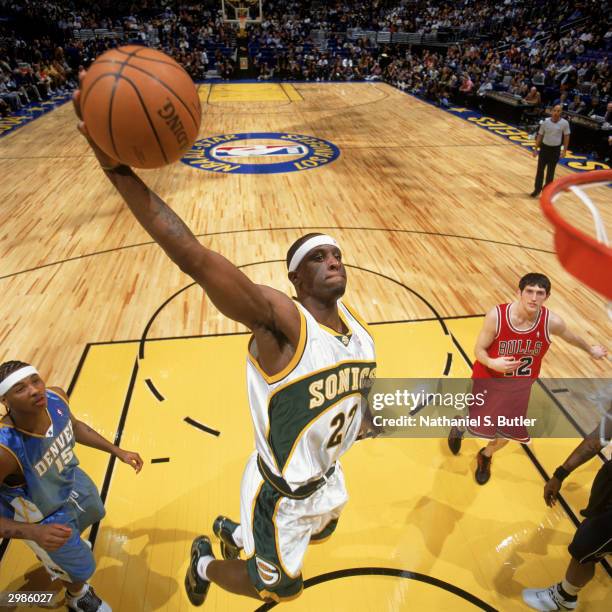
(436, 225)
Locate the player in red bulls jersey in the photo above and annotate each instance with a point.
(509, 352)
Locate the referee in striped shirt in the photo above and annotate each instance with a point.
(552, 141)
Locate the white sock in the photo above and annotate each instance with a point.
(569, 588)
(80, 593)
(203, 566)
(237, 535)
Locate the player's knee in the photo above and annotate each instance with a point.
(99, 510)
(94, 512)
(82, 572)
(81, 576)
(584, 543)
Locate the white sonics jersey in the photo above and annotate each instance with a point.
(309, 414)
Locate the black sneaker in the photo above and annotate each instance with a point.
(483, 469)
(534, 194)
(89, 602)
(455, 437)
(224, 528)
(196, 588)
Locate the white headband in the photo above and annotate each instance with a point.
(15, 377)
(310, 244)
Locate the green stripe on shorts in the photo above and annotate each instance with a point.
(264, 567)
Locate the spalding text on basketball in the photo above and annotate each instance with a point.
(173, 121)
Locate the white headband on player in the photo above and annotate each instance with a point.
(311, 243)
(12, 379)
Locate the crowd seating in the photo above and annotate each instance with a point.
(444, 51)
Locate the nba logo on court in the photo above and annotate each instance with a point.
(260, 153)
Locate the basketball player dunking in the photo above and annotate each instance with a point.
(309, 362)
(509, 352)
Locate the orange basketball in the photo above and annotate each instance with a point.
(140, 106)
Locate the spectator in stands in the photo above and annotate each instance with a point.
(444, 97)
(227, 70)
(577, 105)
(204, 61)
(562, 100)
(8, 95)
(594, 110)
(466, 87)
(533, 98)
(197, 37)
(375, 73)
(266, 73)
(322, 71)
(600, 84)
(567, 75)
(42, 80)
(14, 87)
(515, 86)
(486, 86)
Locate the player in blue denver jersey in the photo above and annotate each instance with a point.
(45, 498)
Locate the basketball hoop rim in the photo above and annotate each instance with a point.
(563, 184)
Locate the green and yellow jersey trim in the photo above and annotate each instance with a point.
(295, 360)
(359, 320)
(336, 333)
(276, 540)
(261, 484)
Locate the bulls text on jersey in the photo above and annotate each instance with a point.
(519, 347)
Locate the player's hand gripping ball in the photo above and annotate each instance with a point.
(140, 107)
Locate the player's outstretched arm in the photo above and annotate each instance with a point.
(232, 292)
(87, 436)
(557, 327)
(586, 450)
(49, 537)
(483, 342)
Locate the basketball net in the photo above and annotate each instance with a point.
(242, 19)
(241, 12)
(588, 259)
